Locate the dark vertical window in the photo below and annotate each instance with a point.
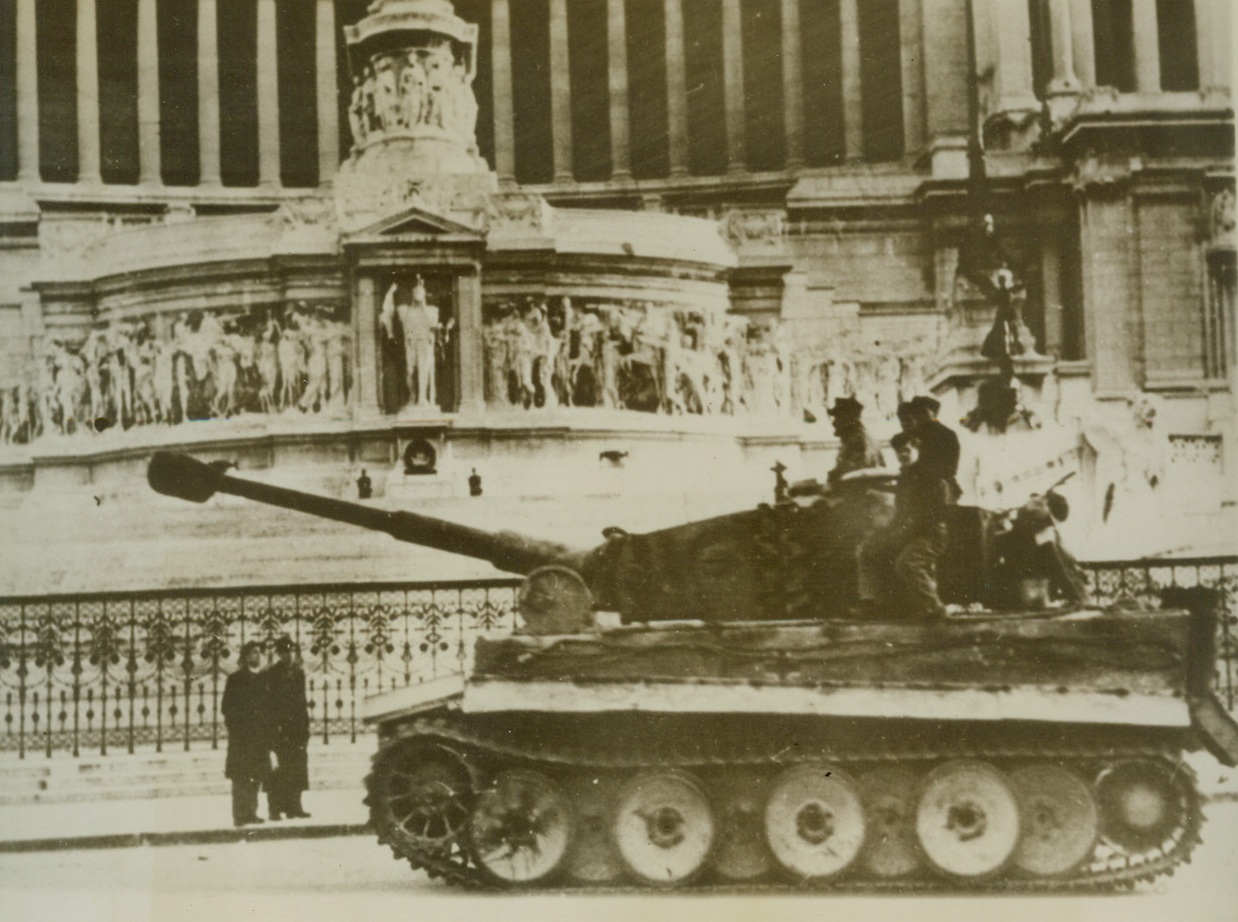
(1042, 46)
(1175, 26)
(178, 91)
(881, 79)
(478, 11)
(821, 54)
(1074, 343)
(238, 92)
(1114, 43)
(589, 64)
(8, 89)
(765, 130)
(117, 25)
(347, 13)
(702, 27)
(646, 42)
(295, 26)
(57, 51)
(531, 90)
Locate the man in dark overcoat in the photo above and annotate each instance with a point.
(244, 708)
(289, 732)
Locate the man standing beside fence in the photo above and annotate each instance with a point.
(289, 733)
(245, 711)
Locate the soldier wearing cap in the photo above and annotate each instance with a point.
(857, 450)
(244, 708)
(939, 446)
(289, 732)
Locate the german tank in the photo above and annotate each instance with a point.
(734, 726)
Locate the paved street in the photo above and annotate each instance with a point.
(351, 877)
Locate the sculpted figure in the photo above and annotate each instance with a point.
(413, 90)
(94, 360)
(438, 69)
(494, 346)
(291, 355)
(118, 372)
(268, 366)
(337, 363)
(314, 397)
(8, 415)
(223, 403)
(421, 329)
(369, 102)
(145, 398)
(387, 95)
(70, 389)
(523, 351)
(356, 111)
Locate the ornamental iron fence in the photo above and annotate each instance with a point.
(103, 672)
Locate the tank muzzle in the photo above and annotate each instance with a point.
(181, 476)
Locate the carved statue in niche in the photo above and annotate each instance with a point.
(357, 120)
(387, 94)
(417, 341)
(413, 90)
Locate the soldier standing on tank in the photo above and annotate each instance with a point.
(289, 718)
(939, 445)
(857, 450)
(913, 541)
(245, 712)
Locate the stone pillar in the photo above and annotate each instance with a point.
(1222, 37)
(1064, 79)
(1147, 46)
(365, 348)
(150, 169)
(617, 48)
(853, 112)
(1085, 41)
(560, 92)
(27, 93)
(911, 37)
(1012, 27)
(501, 65)
(328, 90)
(676, 88)
(792, 84)
(733, 84)
(1213, 37)
(88, 157)
(208, 94)
(943, 28)
(467, 293)
(268, 96)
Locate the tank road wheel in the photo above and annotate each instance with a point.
(522, 828)
(1140, 806)
(967, 819)
(890, 802)
(594, 859)
(1061, 821)
(420, 798)
(742, 853)
(664, 827)
(814, 821)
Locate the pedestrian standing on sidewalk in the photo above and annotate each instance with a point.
(245, 711)
(289, 732)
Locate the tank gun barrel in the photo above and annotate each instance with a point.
(183, 477)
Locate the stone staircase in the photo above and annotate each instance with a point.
(151, 775)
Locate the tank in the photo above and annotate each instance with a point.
(739, 725)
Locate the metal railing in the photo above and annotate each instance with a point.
(104, 672)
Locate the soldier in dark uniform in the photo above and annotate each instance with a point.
(244, 709)
(911, 544)
(939, 445)
(857, 450)
(289, 733)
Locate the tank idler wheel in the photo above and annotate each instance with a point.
(815, 822)
(742, 853)
(521, 829)
(664, 827)
(594, 859)
(1061, 821)
(420, 798)
(890, 804)
(967, 819)
(1140, 806)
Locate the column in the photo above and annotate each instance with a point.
(560, 92)
(911, 37)
(150, 170)
(467, 292)
(208, 94)
(365, 350)
(1147, 46)
(617, 48)
(1222, 43)
(1062, 42)
(27, 93)
(327, 95)
(1085, 41)
(88, 162)
(853, 113)
(676, 88)
(792, 84)
(733, 84)
(268, 96)
(1012, 24)
(501, 65)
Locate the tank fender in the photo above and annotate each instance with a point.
(1216, 728)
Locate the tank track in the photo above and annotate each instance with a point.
(485, 749)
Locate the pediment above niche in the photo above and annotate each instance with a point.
(418, 223)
